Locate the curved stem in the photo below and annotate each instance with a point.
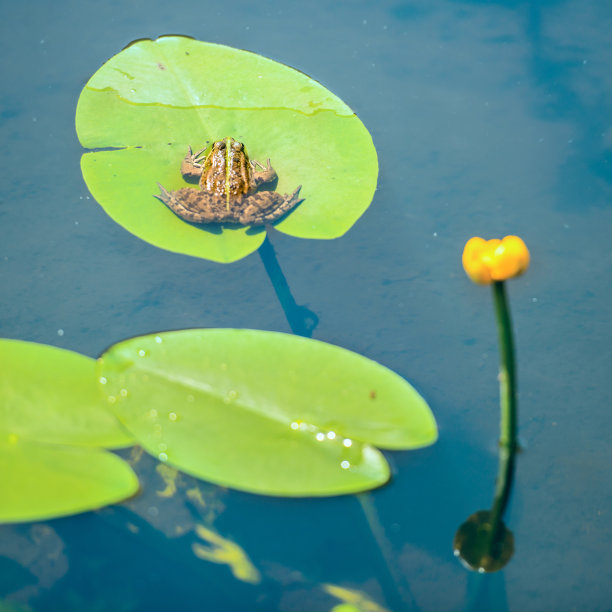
(508, 406)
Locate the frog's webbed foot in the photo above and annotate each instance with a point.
(192, 166)
(266, 211)
(194, 205)
(262, 174)
(170, 199)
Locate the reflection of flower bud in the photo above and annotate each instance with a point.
(485, 261)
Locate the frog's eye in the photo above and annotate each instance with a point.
(237, 146)
(221, 145)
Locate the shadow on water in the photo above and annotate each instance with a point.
(301, 319)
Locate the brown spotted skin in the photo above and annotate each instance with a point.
(228, 183)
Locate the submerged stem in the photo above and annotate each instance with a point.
(396, 592)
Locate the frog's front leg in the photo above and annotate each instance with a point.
(191, 168)
(262, 174)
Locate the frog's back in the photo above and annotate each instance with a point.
(227, 170)
(213, 176)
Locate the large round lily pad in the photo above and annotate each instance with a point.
(145, 106)
(264, 412)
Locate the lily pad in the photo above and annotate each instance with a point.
(264, 412)
(157, 97)
(51, 415)
(44, 481)
(49, 394)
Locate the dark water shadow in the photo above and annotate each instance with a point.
(301, 319)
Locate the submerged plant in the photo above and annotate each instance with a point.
(483, 542)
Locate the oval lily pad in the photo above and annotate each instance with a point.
(262, 411)
(157, 97)
(44, 481)
(49, 394)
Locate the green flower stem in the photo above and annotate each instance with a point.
(508, 405)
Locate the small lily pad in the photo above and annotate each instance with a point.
(49, 394)
(51, 415)
(157, 97)
(264, 412)
(44, 481)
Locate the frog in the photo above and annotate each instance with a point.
(228, 188)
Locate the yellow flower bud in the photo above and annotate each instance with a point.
(485, 261)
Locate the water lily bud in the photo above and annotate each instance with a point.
(485, 261)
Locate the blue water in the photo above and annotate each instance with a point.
(490, 118)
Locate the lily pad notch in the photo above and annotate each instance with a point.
(264, 412)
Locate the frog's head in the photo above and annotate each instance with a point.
(227, 152)
(228, 144)
(227, 169)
